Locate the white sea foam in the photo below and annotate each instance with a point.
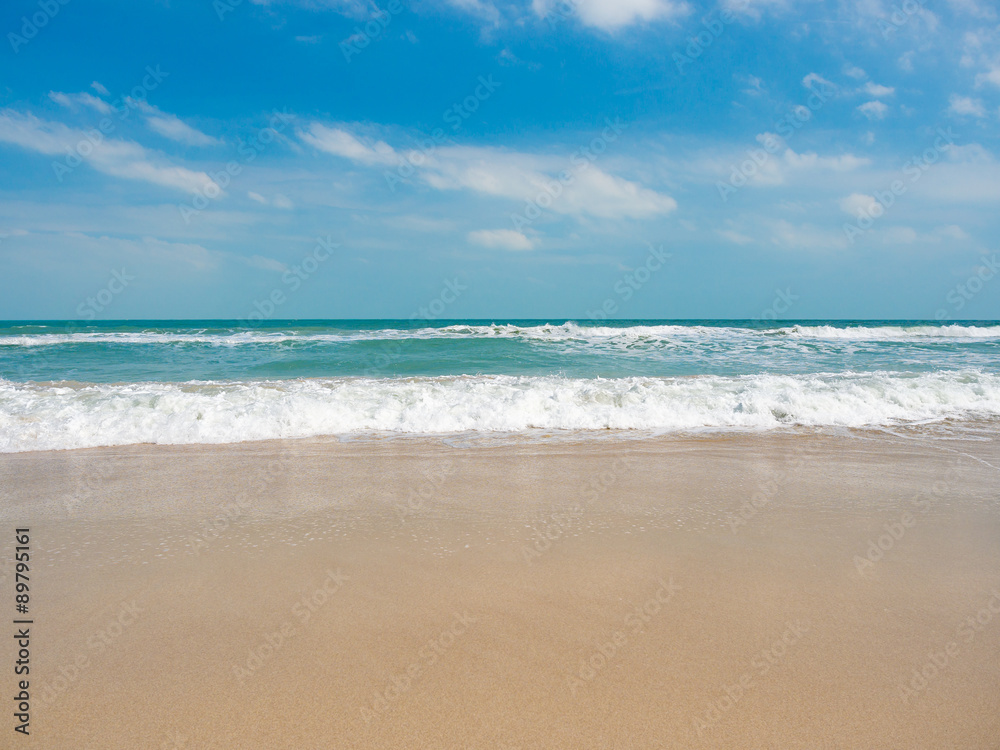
(890, 333)
(549, 332)
(38, 416)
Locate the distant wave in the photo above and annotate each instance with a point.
(889, 333)
(40, 416)
(551, 332)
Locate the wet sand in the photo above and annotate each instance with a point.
(791, 591)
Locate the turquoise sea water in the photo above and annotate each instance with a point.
(66, 384)
(177, 351)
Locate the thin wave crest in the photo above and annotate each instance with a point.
(565, 332)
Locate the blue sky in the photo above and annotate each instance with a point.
(530, 155)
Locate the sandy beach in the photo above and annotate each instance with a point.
(793, 591)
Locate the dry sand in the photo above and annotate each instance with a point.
(605, 594)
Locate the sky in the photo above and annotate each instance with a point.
(560, 159)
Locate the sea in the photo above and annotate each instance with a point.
(73, 384)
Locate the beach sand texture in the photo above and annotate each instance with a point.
(769, 591)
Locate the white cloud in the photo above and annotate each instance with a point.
(171, 253)
(506, 239)
(952, 232)
(526, 177)
(279, 200)
(350, 8)
(756, 86)
(874, 110)
(905, 62)
(521, 177)
(265, 264)
(118, 158)
(900, 235)
(806, 236)
(842, 163)
(968, 175)
(973, 8)
(734, 236)
(755, 8)
(878, 91)
(483, 9)
(992, 76)
(782, 166)
(341, 143)
(965, 106)
(814, 78)
(969, 153)
(857, 204)
(99, 88)
(903, 235)
(855, 72)
(172, 127)
(611, 15)
(88, 100)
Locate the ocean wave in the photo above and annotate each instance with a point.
(549, 332)
(44, 416)
(156, 337)
(565, 332)
(891, 333)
